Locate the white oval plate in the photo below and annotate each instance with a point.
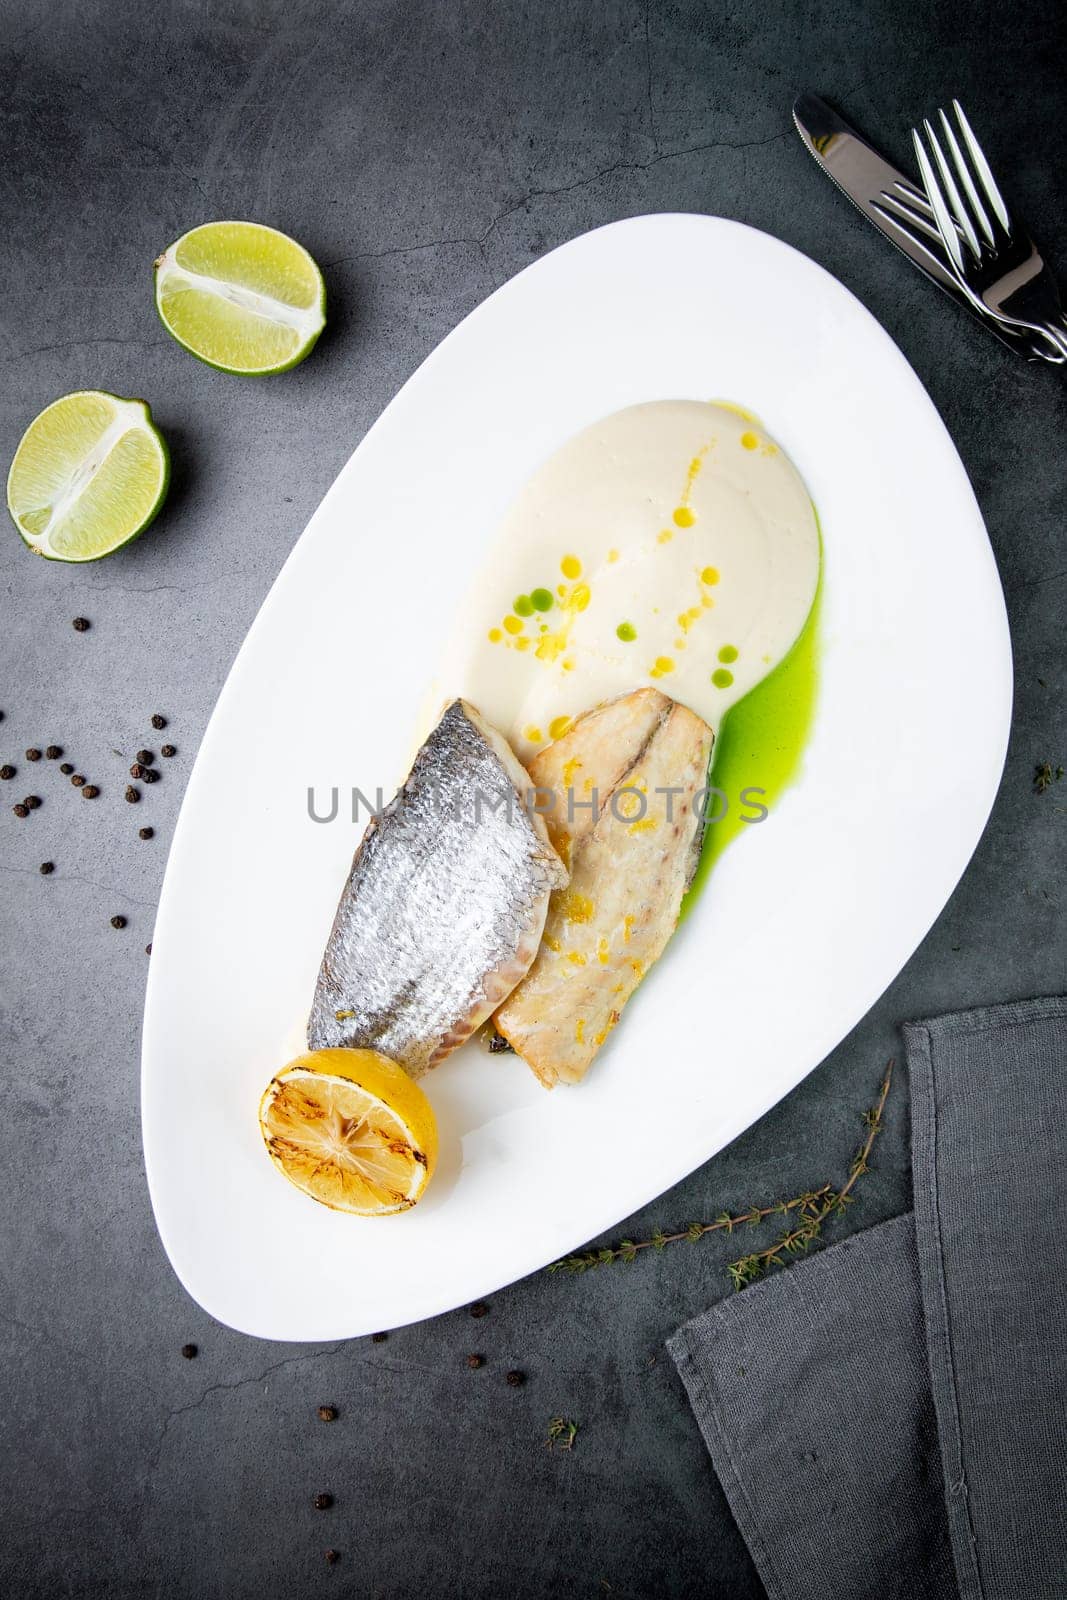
(806, 919)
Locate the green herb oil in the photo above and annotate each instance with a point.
(760, 744)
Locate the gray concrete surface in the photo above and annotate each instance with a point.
(424, 152)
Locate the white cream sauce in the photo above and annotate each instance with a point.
(671, 544)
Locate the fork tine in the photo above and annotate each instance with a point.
(910, 212)
(977, 208)
(981, 166)
(959, 210)
(949, 237)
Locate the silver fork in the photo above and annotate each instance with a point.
(997, 265)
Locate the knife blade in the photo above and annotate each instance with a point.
(872, 183)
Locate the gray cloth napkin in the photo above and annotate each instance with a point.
(887, 1418)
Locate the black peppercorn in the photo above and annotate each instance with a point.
(516, 1379)
(132, 794)
(20, 810)
(148, 949)
(332, 1557)
(146, 833)
(158, 721)
(33, 754)
(189, 1351)
(66, 769)
(149, 775)
(77, 780)
(81, 624)
(378, 1338)
(32, 801)
(90, 791)
(323, 1502)
(474, 1362)
(137, 771)
(168, 750)
(7, 770)
(118, 922)
(145, 757)
(479, 1309)
(54, 752)
(47, 868)
(327, 1414)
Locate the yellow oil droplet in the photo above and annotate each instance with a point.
(603, 954)
(739, 411)
(577, 907)
(580, 597)
(679, 644)
(645, 825)
(532, 735)
(683, 517)
(495, 635)
(639, 968)
(710, 575)
(664, 664)
(522, 644)
(579, 1031)
(561, 590)
(569, 767)
(571, 567)
(613, 555)
(749, 440)
(558, 727)
(576, 958)
(627, 928)
(707, 602)
(568, 665)
(513, 624)
(693, 613)
(665, 535)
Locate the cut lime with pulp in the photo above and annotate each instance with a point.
(242, 297)
(88, 476)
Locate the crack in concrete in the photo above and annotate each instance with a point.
(1037, 583)
(480, 240)
(91, 883)
(78, 344)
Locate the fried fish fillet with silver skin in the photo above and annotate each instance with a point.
(584, 766)
(613, 921)
(445, 903)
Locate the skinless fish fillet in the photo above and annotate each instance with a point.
(444, 906)
(629, 872)
(591, 760)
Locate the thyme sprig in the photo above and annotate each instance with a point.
(799, 1239)
(563, 1432)
(1045, 775)
(810, 1211)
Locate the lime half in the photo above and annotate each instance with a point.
(242, 297)
(88, 476)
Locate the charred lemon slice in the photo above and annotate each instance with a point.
(352, 1130)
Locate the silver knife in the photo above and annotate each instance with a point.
(871, 182)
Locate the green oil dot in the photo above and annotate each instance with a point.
(721, 678)
(626, 632)
(728, 653)
(542, 599)
(523, 605)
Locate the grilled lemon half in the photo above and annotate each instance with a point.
(352, 1130)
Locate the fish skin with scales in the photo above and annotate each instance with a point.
(444, 906)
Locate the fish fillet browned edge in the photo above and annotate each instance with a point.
(631, 861)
